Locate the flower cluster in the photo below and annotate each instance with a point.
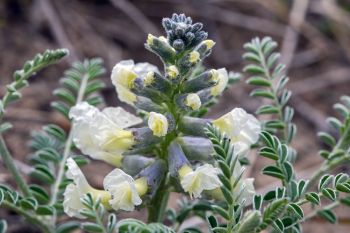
(171, 143)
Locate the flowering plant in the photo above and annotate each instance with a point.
(170, 147)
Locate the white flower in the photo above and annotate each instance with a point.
(71, 203)
(102, 135)
(122, 189)
(76, 190)
(193, 101)
(222, 77)
(204, 177)
(123, 75)
(242, 128)
(158, 123)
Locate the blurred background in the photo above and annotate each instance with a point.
(313, 36)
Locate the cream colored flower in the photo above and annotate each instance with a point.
(76, 190)
(123, 190)
(194, 57)
(123, 76)
(158, 123)
(209, 43)
(172, 71)
(193, 101)
(204, 177)
(222, 77)
(102, 135)
(242, 128)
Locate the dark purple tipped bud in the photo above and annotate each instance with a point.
(178, 45)
(144, 137)
(189, 36)
(196, 27)
(133, 164)
(166, 24)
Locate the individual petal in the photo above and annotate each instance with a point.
(122, 118)
(222, 77)
(158, 123)
(143, 68)
(203, 178)
(122, 189)
(125, 95)
(77, 176)
(123, 74)
(82, 111)
(71, 202)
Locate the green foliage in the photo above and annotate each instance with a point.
(80, 84)
(3, 226)
(278, 210)
(267, 75)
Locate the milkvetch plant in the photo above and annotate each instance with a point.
(170, 147)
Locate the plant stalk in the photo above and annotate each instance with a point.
(157, 207)
(8, 160)
(28, 215)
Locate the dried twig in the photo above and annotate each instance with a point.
(57, 28)
(136, 15)
(290, 39)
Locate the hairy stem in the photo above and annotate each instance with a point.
(28, 215)
(342, 144)
(9, 162)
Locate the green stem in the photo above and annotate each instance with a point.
(157, 207)
(28, 215)
(342, 144)
(7, 158)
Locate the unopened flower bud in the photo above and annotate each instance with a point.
(147, 105)
(193, 101)
(158, 123)
(196, 148)
(172, 72)
(178, 45)
(133, 164)
(193, 126)
(153, 175)
(204, 48)
(144, 137)
(141, 90)
(156, 81)
(202, 81)
(161, 47)
(176, 158)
